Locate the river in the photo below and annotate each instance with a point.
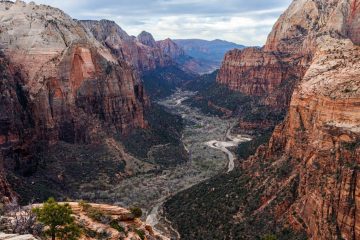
(207, 139)
(209, 142)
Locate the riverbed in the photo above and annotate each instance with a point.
(208, 141)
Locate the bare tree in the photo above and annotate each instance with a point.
(20, 220)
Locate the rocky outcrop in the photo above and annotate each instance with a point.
(141, 52)
(63, 85)
(322, 133)
(256, 72)
(97, 221)
(147, 39)
(170, 48)
(312, 159)
(15, 120)
(129, 227)
(4, 236)
(273, 70)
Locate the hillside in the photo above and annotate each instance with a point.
(209, 53)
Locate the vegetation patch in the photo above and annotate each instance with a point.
(162, 82)
(225, 204)
(217, 99)
(247, 149)
(163, 135)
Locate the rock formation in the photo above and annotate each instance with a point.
(272, 71)
(170, 48)
(142, 52)
(4, 236)
(208, 54)
(129, 226)
(59, 83)
(316, 149)
(147, 39)
(305, 179)
(96, 221)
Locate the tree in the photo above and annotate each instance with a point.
(59, 220)
(269, 237)
(136, 211)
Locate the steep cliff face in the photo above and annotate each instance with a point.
(170, 48)
(318, 142)
(147, 39)
(306, 177)
(321, 135)
(65, 86)
(15, 120)
(141, 52)
(273, 70)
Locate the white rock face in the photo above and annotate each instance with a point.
(37, 37)
(4, 236)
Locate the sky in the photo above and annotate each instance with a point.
(246, 22)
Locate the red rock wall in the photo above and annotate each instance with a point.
(314, 155)
(62, 85)
(318, 143)
(142, 52)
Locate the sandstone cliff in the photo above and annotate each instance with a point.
(170, 48)
(142, 52)
(62, 85)
(304, 183)
(272, 71)
(312, 159)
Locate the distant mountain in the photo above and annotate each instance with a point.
(211, 52)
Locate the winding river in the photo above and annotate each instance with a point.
(224, 145)
(208, 140)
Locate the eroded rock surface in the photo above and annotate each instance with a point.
(318, 143)
(59, 84)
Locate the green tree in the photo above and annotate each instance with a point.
(269, 237)
(59, 220)
(136, 211)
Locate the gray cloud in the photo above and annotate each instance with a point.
(242, 21)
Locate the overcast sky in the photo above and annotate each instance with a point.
(245, 22)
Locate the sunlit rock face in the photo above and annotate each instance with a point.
(170, 48)
(319, 141)
(141, 52)
(273, 70)
(62, 84)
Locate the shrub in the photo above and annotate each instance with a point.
(19, 220)
(141, 233)
(98, 215)
(85, 206)
(136, 211)
(269, 237)
(115, 225)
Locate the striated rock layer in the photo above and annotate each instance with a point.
(64, 84)
(312, 159)
(143, 52)
(130, 227)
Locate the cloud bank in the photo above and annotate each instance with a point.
(241, 21)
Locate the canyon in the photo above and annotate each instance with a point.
(303, 182)
(112, 118)
(59, 84)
